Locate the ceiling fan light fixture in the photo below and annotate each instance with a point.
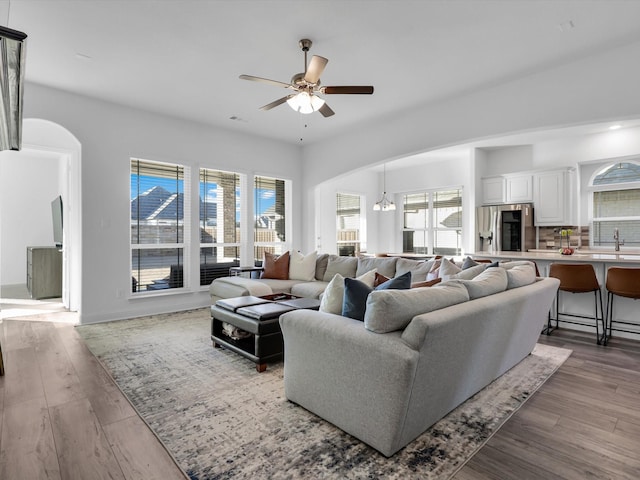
(305, 103)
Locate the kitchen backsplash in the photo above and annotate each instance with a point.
(549, 237)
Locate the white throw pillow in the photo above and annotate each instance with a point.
(447, 269)
(333, 295)
(302, 267)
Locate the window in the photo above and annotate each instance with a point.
(270, 210)
(348, 220)
(433, 222)
(219, 223)
(158, 233)
(616, 204)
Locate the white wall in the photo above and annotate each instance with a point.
(28, 184)
(110, 135)
(592, 89)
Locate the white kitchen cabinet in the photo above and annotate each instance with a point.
(493, 190)
(519, 188)
(554, 198)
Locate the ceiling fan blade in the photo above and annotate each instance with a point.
(266, 80)
(326, 111)
(354, 89)
(315, 69)
(275, 103)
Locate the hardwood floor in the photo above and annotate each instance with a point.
(584, 422)
(62, 417)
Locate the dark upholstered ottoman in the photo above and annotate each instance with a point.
(259, 337)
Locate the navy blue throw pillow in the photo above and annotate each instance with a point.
(354, 303)
(494, 264)
(403, 282)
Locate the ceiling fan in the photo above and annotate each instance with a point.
(306, 86)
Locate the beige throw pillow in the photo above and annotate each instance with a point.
(333, 295)
(302, 267)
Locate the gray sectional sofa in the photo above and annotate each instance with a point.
(326, 267)
(418, 354)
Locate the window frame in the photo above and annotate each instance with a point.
(285, 245)
(608, 187)
(361, 241)
(431, 229)
(239, 217)
(183, 246)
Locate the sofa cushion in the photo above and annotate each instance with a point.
(276, 266)
(302, 267)
(309, 289)
(448, 269)
(519, 273)
(418, 268)
(383, 265)
(354, 302)
(228, 287)
(492, 280)
(468, 263)
(390, 310)
(470, 273)
(321, 266)
(331, 301)
(429, 283)
(345, 266)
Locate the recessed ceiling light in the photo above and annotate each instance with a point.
(615, 127)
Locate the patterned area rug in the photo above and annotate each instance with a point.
(221, 419)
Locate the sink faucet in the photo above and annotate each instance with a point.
(616, 237)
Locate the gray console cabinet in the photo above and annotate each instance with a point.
(44, 272)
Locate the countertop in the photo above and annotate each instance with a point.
(578, 256)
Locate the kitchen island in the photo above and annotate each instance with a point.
(626, 309)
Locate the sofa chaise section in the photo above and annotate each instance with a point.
(388, 388)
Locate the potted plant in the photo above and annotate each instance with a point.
(566, 233)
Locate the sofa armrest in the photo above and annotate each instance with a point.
(356, 379)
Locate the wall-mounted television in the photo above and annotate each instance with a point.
(56, 216)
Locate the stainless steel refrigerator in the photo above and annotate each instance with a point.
(505, 228)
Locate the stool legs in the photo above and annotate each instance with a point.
(601, 339)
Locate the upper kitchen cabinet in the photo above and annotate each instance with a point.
(507, 189)
(519, 188)
(494, 190)
(554, 197)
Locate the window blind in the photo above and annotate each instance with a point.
(270, 204)
(348, 224)
(158, 213)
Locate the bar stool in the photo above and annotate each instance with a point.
(624, 282)
(577, 278)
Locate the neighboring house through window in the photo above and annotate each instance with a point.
(433, 222)
(348, 224)
(616, 204)
(271, 206)
(220, 226)
(159, 224)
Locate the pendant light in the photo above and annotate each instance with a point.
(384, 204)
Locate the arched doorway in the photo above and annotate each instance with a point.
(59, 149)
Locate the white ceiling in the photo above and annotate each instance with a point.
(183, 58)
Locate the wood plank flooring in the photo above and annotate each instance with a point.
(584, 423)
(62, 417)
